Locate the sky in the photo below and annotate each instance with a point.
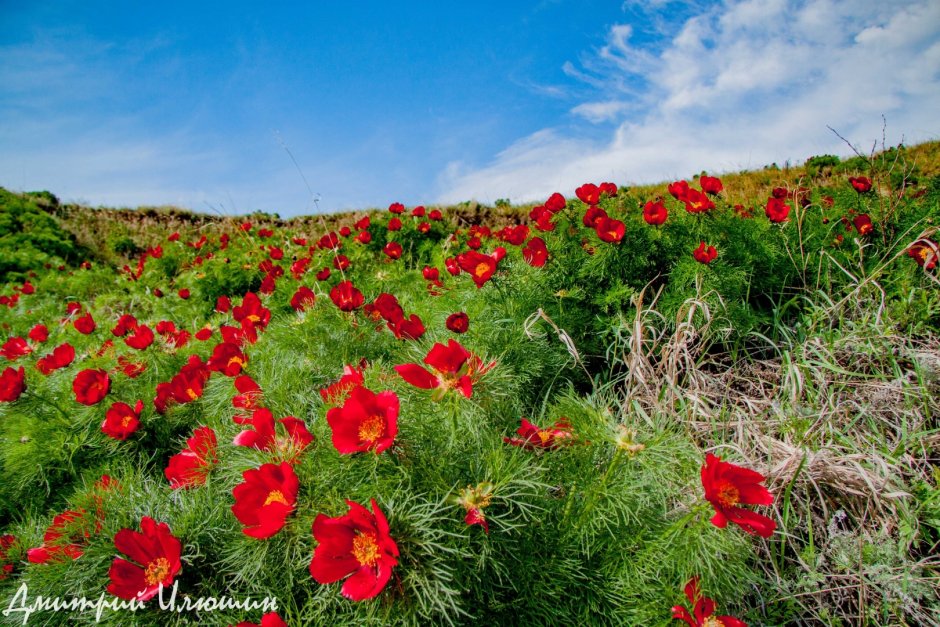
(241, 106)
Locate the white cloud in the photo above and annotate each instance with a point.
(738, 85)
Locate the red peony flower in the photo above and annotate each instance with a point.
(7, 541)
(346, 296)
(610, 230)
(339, 391)
(183, 293)
(190, 467)
(727, 486)
(265, 499)
(474, 500)
(925, 252)
(703, 609)
(410, 328)
(532, 437)
(654, 212)
(588, 193)
(303, 298)
(394, 224)
(223, 304)
(535, 252)
(228, 359)
(263, 434)
(861, 184)
(863, 224)
(454, 365)
(84, 324)
(480, 267)
(65, 537)
(705, 254)
(777, 210)
(156, 561)
(396, 207)
(710, 184)
(358, 544)
(436, 215)
(120, 421)
(271, 619)
(593, 216)
(14, 348)
(679, 190)
(697, 202)
(125, 324)
(141, 339)
(458, 322)
(366, 421)
(555, 203)
(39, 333)
(90, 386)
(252, 310)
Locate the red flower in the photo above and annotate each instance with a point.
(228, 359)
(84, 324)
(366, 422)
(121, 421)
(249, 393)
(697, 202)
(252, 310)
(65, 537)
(185, 387)
(925, 252)
(453, 364)
(555, 203)
(777, 210)
(593, 216)
(358, 544)
(223, 304)
(265, 499)
(535, 252)
(610, 230)
(431, 274)
(705, 254)
(474, 500)
(458, 322)
(141, 339)
(588, 193)
(125, 323)
(346, 296)
(435, 214)
(183, 293)
(90, 386)
(396, 207)
(654, 212)
(480, 267)
(156, 561)
(727, 486)
(410, 328)
(190, 467)
(303, 298)
(863, 224)
(679, 190)
(14, 348)
(6, 567)
(703, 609)
(532, 437)
(337, 392)
(271, 619)
(394, 224)
(263, 434)
(204, 333)
(710, 184)
(861, 184)
(39, 333)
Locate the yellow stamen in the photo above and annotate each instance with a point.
(157, 571)
(365, 549)
(276, 496)
(371, 429)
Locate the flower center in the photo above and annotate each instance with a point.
(157, 571)
(545, 436)
(481, 269)
(371, 429)
(126, 420)
(276, 496)
(236, 360)
(253, 318)
(728, 495)
(365, 549)
(192, 395)
(711, 621)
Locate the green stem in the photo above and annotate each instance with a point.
(46, 401)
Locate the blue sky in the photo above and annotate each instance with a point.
(193, 104)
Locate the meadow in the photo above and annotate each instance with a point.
(712, 401)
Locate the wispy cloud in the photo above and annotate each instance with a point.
(737, 85)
